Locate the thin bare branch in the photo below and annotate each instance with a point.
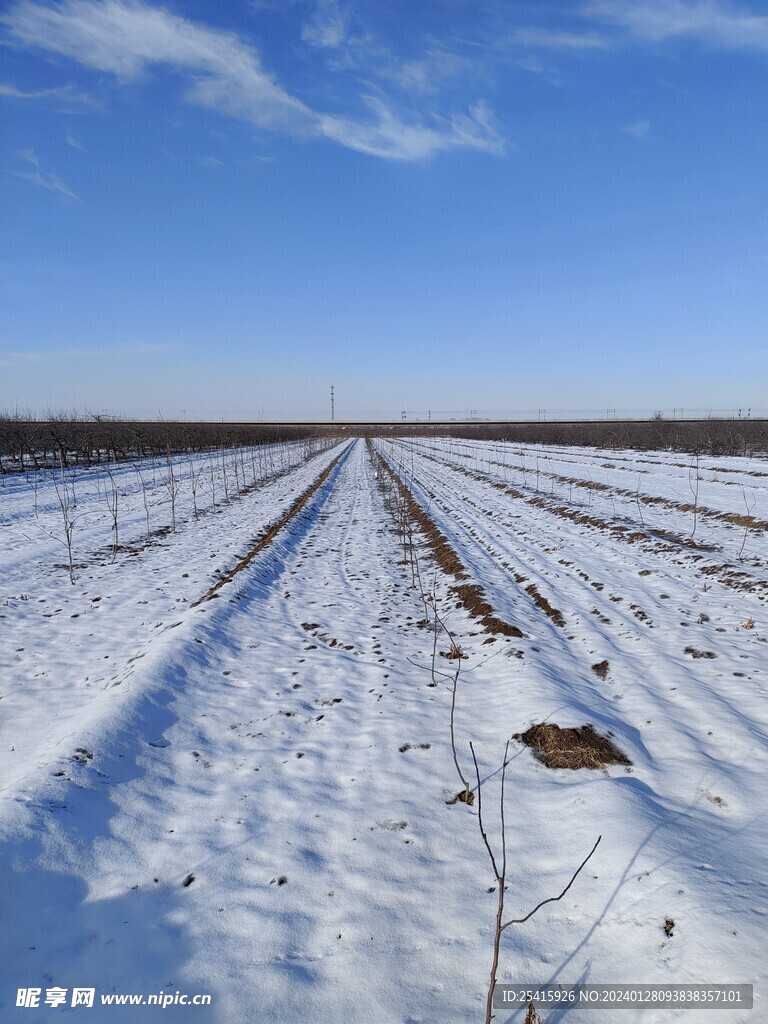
(554, 899)
(480, 816)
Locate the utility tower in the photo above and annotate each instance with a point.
(333, 410)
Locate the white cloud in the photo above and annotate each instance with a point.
(548, 39)
(390, 137)
(327, 27)
(425, 75)
(122, 38)
(66, 94)
(39, 176)
(639, 129)
(125, 36)
(715, 22)
(74, 142)
(532, 63)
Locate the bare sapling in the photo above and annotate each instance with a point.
(693, 483)
(408, 546)
(639, 503)
(35, 486)
(171, 483)
(464, 796)
(253, 467)
(145, 498)
(500, 872)
(69, 519)
(749, 505)
(194, 480)
(212, 473)
(111, 500)
(236, 471)
(224, 475)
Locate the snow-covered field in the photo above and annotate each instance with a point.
(246, 795)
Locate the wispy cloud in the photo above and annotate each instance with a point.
(424, 75)
(534, 64)
(389, 136)
(547, 39)
(63, 94)
(226, 74)
(73, 141)
(39, 176)
(327, 26)
(715, 22)
(638, 129)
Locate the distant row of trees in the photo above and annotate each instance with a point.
(64, 439)
(707, 436)
(61, 438)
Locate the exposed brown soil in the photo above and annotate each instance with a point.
(571, 748)
(601, 669)
(471, 595)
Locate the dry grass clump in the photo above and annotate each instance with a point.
(455, 653)
(601, 668)
(541, 602)
(472, 597)
(571, 748)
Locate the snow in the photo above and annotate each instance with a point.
(259, 736)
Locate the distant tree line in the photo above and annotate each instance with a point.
(64, 439)
(712, 435)
(707, 436)
(69, 438)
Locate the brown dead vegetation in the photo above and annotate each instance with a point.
(471, 595)
(581, 747)
(667, 542)
(541, 602)
(699, 654)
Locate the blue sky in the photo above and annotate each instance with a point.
(219, 210)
